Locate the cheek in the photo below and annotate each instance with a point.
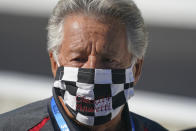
(62, 59)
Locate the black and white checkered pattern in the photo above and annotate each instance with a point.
(95, 96)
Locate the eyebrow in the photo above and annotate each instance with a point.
(109, 54)
(81, 47)
(77, 46)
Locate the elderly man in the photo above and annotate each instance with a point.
(96, 49)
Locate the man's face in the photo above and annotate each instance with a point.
(90, 43)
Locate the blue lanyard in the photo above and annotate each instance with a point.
(132, 125)
(61, 122)
(59, 118)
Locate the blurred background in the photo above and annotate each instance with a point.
(166, 92)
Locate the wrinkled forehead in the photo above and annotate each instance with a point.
(102, 24)
(80, 28)
(101, 19)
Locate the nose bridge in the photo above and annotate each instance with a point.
(92, 62)
(93, 59)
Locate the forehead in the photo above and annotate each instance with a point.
(80, 30)
(85, 20)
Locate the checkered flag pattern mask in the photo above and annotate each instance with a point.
(95, 96)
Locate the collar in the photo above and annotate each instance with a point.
(61, 121)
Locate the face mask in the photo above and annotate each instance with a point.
(95, 96)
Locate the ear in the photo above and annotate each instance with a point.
(54, 65)
(137, 69)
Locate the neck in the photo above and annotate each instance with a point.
(113, 125)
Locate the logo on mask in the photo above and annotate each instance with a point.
(92, 106)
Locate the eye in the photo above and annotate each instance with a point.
(108, 60)
(80, 59)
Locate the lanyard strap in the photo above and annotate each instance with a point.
(61, 122)
(57, 115)
(132, 124)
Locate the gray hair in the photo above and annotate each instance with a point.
(124, 10)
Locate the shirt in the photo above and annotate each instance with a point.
(37, 116)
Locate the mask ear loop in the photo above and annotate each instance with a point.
(56, 58)
(57, 63)
(131, 68)
(59, 83)
(132, 65)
